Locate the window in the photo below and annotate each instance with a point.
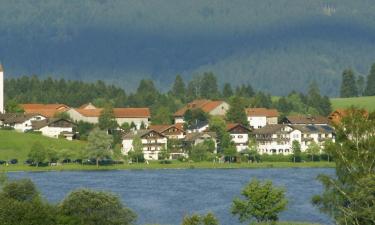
(240, 136)
(286, 150)
(280, 151)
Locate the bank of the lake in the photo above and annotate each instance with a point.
(174, 165)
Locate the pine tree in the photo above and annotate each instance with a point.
(208, 86)
(236, 112)
(178, 88)
(348, 85)
(370, 87)
(227, 90)
(360, 85)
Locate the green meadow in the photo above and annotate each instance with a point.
(367, 102)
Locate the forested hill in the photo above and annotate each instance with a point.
(276, 46)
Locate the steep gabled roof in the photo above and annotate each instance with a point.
(163, 128)
(140, 134)
(232, 126)
(12, 118)
(204, 104)
(262, 112)
(43, 123)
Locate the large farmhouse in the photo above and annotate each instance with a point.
(89, 113)
(260, 117)
(214, 108)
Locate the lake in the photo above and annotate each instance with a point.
(165, 196)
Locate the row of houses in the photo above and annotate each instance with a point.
(273, 135)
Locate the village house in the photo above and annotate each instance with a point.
(152, 141)
(89, 113)
(20, 121)
(198, 127)
(278, 138)
(46, 110)
(214, 108)
(260, 117)
(239, 135)
(55, 128)
(193, 139)
(174, 131)
(305, 120)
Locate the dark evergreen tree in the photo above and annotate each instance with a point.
(107, 120)
(245, 91)
(370, 86)
(227, 90)
(237, 112)
(360, 85)
(348, 85)
(208, 86)
(178, 88)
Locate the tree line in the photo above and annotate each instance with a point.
(356, 85)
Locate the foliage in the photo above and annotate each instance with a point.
(95, 208)
(200, 152)
(62, 115)
(179, 89)
(107, 120)
(227, 91)
(195, 219)
(12, 106)
(37, 153)
(84, 128)
(136, 154)
(349, 196)
(218, 125)
(313, 149)
(162, 115)
(370, 87)
(192, 116)
(348, 85)
(164, 153)
(237, 112)
(296, 150)
(99, 145)
(262, 202)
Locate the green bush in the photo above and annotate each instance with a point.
(275, 158)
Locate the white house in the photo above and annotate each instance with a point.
(55, 128)
(91, 114)
(174, 131)
(214, 108)
(278, 139)
(152, 143)
(198, 127)
(19, 121)
(239, 135)
(260, 117)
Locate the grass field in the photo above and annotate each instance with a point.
(15, 145)
(367, 102)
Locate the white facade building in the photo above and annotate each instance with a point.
(54, 128)
(260, 117)
(152, 143)
(21, 122)
(278, 139)
(239, 135)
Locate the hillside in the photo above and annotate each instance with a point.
(246, 41)
(362, 102)
(15, 145)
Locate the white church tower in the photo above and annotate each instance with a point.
(1, 89)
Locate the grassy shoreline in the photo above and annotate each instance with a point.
(174, 165)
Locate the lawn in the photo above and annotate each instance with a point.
(367, 102)
(15, 145)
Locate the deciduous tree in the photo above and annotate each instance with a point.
(99, 145)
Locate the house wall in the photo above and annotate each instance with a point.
(272, 120)
(27, 124)
(151, 147)
(257, 122)
(76, 116)
(241, 141)
(136, 121)
(178, 119)
(54, 132)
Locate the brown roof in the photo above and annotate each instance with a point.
(336, 116)
(43, 123)
(12, 118)
(231, 126)
(262, 112)
(269, 129)
(47, 110)
(204, 104)
(302, 119)
(118, 112)
(140, 134)
(162, 128)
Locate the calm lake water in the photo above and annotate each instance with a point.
(165, 196)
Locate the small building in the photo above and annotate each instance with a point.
(20, 121)
(198, 127)
(89, 113)
(260, 117)
(55, 128)
(193, 139)
(214, 108)
(305, 120)
(46, 110)
(240, 135)
(152, 141)
(278, 138)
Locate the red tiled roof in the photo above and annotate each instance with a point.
(164, 127)
(118, 112)
(204, 104)
(262, 112)
(47, 110)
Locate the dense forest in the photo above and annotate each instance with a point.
(122, 42)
